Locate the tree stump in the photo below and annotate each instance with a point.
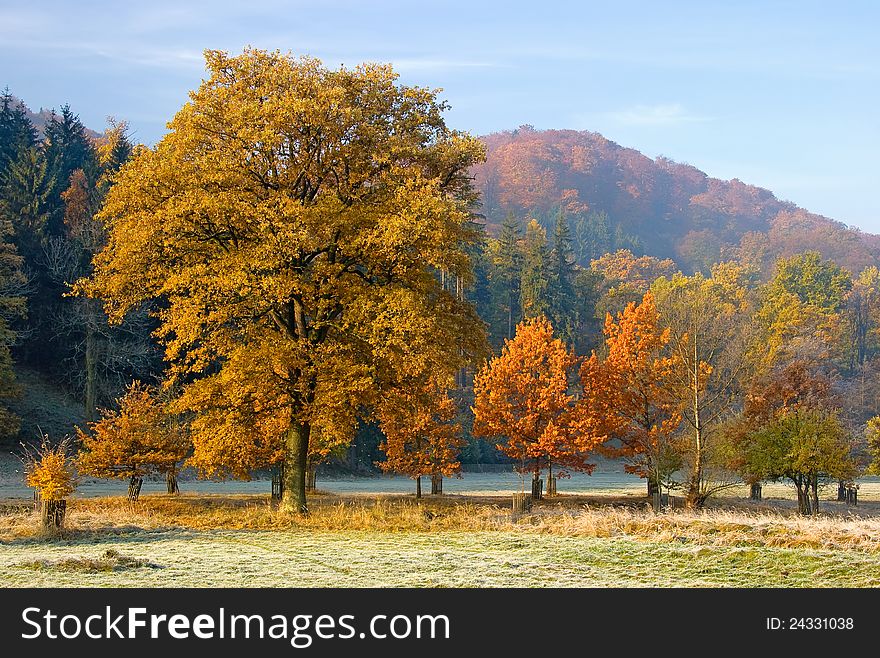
(551, 485)
(436, 485)
(755, 493)
(52, 515)
(537, 488)
(134, 488)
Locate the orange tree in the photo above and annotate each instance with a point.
(523, 400)
(631, 391)
(421, 435)
(136, 440)
(292, 223)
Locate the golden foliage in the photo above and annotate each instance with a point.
(293, 220)
(421, 437)
(139, 438)
(49, 470)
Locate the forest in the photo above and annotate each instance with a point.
(311, 270)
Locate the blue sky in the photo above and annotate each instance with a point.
(779, 94)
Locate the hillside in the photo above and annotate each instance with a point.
(661, 207)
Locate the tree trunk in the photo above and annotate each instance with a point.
(803, 496)
(311, 477)
(52, 514)
(814, 485)
(695, 498)
(91, 385)
(755, 493)
(171, 483)
(841, 490)
(436, 484)
(418, 486)
(134, 488)
(296, 453)
(652, 485)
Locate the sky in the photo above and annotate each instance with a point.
(778, 94)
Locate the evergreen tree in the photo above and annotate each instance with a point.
(592, 237)
(26, 201)
(536, 273)
(17, 133)
(563, 303)
(509, 268)
(67, 148)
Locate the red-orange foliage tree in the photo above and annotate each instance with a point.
(421, 435)
(523, 400)
(631, 391)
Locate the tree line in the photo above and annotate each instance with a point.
(302, 255)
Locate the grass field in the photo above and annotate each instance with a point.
(179, 558)
(212, 541)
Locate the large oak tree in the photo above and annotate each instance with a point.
(291, 224)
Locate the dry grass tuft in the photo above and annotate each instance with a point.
(111, 560)
(715, 527)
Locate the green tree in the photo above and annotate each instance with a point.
(805, 446)
(509, 269)
(801, 309)
(536, 272)
(294, 221)
(17, 133)
(563, 301)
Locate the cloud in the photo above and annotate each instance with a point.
(664, 114)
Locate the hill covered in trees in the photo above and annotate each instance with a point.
(616, 197)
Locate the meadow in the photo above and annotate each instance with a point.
(372, 532)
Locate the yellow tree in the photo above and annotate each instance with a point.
(292, 223)
(138, 439)
(523, 400)
(632, 389)
(421, 435)
(49, 470)
(712, 341)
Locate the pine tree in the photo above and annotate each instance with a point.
(17, 133)
(536, 273)
(67, 148)
(509, 271)
(563, 301)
